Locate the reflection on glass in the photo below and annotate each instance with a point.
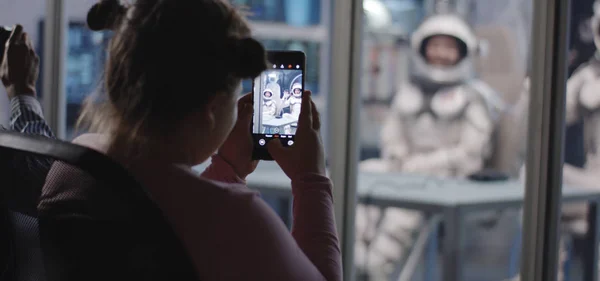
(291, 12)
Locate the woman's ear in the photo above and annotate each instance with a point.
(209, 114)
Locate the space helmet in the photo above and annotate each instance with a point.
(595, 22)
(265, 97)
(297, 86)
(450, 25)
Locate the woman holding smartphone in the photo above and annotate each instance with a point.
(172, 81)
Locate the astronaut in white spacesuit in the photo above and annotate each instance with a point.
(269, 106)
(273, 85)
(294, 101)
(441, 124)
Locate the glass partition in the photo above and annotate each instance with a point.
(444, 95)
(443, 126)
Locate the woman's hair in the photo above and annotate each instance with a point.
(166, 60)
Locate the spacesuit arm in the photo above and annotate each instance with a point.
(580, 177)
(393, 141)
(468, 155)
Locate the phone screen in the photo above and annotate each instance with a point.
(277, 100)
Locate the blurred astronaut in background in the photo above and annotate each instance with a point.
(442, 120)
(269, 106)
(441, 124)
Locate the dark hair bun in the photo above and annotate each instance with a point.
(105, 15)
(251, 58)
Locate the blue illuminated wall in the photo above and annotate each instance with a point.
(291, 12)
(86, 54)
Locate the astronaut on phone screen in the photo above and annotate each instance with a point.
(294, 101)
(273, 85)
(269, 106)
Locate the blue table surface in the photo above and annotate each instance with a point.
(416, 189)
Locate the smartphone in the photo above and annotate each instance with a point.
(277, 100)
(5, 32)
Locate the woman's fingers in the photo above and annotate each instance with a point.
(316, 117)
(305, 120)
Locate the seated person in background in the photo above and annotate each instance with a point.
(441, 124)
(269, 106)
(161, 118)
(19, 73)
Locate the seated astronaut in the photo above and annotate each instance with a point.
(441, 123)
(269, 106)
(294, 101)
(272, 84)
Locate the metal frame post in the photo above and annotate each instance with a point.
(343, 133)
(545, 140)
(55, 55)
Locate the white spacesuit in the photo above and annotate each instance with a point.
(441, 123)
(269, 106)
(273, 85)
(294, 101)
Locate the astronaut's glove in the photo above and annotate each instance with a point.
(426, 163)
(522, 174)
(394, 152)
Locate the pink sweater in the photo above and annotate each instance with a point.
(231, 234)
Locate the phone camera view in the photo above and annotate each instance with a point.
(277, 102)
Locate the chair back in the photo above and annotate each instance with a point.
(118, 235)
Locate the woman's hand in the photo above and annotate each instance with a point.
(306, 156)
(237, 148)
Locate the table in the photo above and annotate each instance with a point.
(453, 198)
(279, 122)
(278, 125)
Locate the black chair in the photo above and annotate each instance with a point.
(127, 238)
(20, 254)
